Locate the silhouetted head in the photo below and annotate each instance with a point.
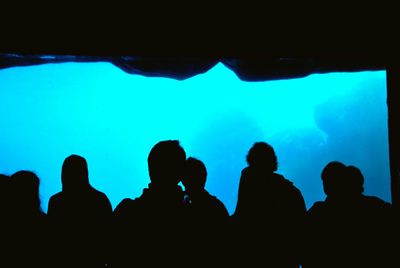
(334, 179)
(262, 156)
(166, 163)
(74, 174)
(355, 180)
(195, 175)
(25, 191)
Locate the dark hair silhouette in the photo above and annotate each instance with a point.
(262, 155)
(342, 182)
(74, 174)
(334, 169)
(195, 175)
(334, 179)
(356, 180)
(25, 192)
(166, 162)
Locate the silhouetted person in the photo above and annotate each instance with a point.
(148, 228)
(27, 230)
(208, 209)
(270, 213)
(207, 217)
(81, 218)
(348, 228)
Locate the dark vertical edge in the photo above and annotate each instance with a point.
(393, 102)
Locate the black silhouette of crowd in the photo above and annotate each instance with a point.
(173, 226)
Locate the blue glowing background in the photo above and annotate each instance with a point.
(113, 119)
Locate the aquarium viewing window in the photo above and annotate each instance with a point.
(113, 118)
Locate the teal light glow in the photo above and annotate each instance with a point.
(113, 119)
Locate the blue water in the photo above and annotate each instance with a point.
(112, 118)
